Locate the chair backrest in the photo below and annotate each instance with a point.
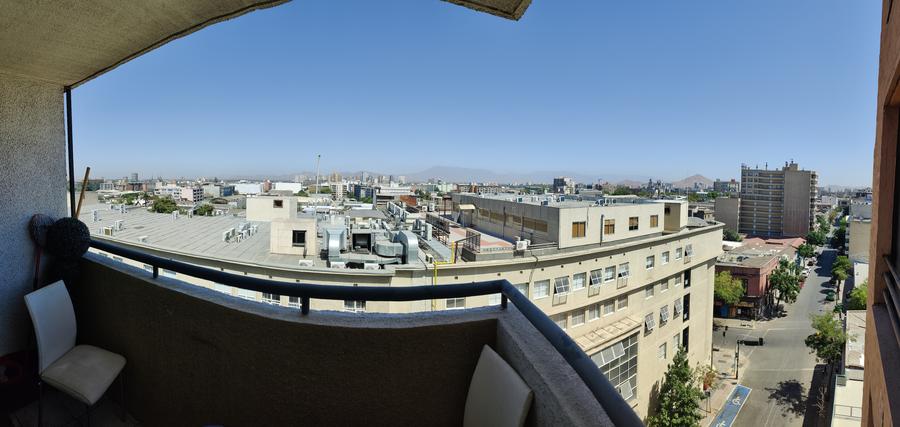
(54, 322)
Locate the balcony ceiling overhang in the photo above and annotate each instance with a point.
(70, 42)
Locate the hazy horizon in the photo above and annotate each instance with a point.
(596, 89)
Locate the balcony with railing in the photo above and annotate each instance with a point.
(198, 357)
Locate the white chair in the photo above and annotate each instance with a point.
(498, 397)
(84, 372)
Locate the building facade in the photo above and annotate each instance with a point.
(630, 283)
(778, 202)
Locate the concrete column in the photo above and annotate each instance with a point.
(32, 180)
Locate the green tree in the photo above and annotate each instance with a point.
(786, 280)
(839, 238)
(302, 193)
(806, 250)
(164, 205)
(679, 396)
(857, 299)
(366, 200)
(839, 275)
(324, 190)
(205, 209)
(728, 289)
(827, 342)
(816, 238)
(731, 235)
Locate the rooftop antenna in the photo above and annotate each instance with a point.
(318, 157)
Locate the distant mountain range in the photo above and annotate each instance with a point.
(691, 180)
(466, 175)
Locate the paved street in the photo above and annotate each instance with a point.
(782, 373)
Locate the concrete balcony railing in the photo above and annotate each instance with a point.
(198, 357)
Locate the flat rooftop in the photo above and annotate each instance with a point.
(195, 235)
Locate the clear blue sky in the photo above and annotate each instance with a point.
(663, 88)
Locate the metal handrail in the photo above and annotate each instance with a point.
(618, 410)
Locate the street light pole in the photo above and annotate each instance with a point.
(737, 360)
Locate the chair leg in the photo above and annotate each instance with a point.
(122, 390)
(40, 403)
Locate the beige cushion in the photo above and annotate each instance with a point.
(85, 372)
(498, 396)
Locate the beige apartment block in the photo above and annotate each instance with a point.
(728, 211)
(777, 202)
(268, 208)
(630, 282)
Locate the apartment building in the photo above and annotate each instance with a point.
(192, 194)
(730, 186)
(859, 232)
(629, 281)
(777, 202)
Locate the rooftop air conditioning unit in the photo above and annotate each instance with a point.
(119, 224)
(370, 266)
(142, 239)
(337, 264)
(305, 263)
(521, 245)
(107, 231)
(429, 258)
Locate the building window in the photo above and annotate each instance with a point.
(578, 229)
(609, 226)
(685, 339)
(618, 363)
(654, 221)
(678, 280)
(277, 203)
(609, 273)
(623, 270)
(664, 257)
(649, 322)
(561, 285)
(649, 290)
(454, 303)
(541, 289)
(494, 299)
(355, 306)
(560, 290)
(664, 285)
(664, 314)
(676, 308)
(689, 250)
(622, 302)
(632, 223)
(686, 307)
(593, 312)
(294, 302)
(577, 317)
(246, 294)
(578, 281)
(609, 307)
(661, 352)
(522, 287)
(676, 341)
(273, 299)
(687, 278)
(561, 320)
(298, 238)
(678, 253)
(651, 261)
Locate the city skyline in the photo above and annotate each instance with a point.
(263, 94)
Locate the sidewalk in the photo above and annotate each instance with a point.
(723, 361)
(735, 323)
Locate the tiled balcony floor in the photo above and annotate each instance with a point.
(62, 410)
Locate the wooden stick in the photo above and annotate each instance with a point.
(87, 173)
